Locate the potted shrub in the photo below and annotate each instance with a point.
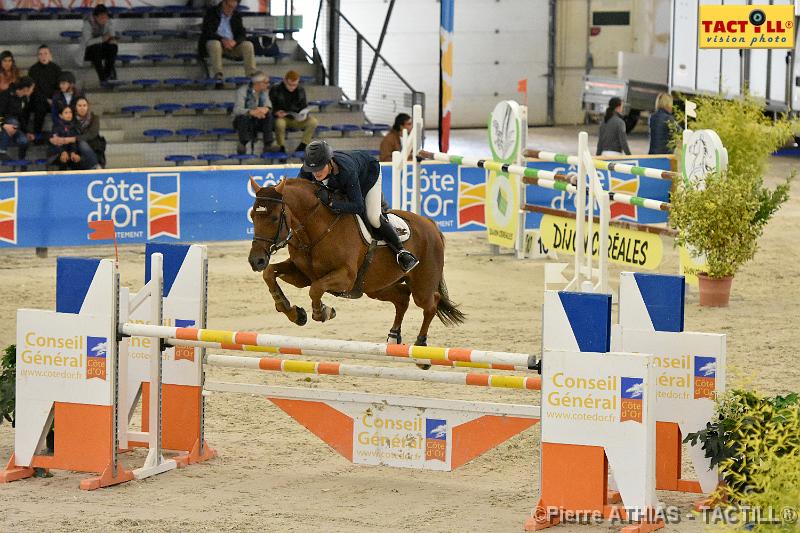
(723, 216)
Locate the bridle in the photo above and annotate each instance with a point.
(274, 243)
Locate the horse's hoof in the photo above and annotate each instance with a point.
(324, 314)
(302, 317)
(422, 341)
(394, 337)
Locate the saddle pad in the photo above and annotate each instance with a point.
(399, 225)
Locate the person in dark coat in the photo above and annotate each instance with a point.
(357, 175)
(662, 124)
(67, 94)
(613, 139)
(14, 114)
(45, 73)
(223, 34)
(291, 111)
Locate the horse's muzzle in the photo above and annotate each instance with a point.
(258, 264)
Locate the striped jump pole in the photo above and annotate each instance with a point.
(361, 371)
(314, 353)
(602, 164)
(546, 178)
(329, 345)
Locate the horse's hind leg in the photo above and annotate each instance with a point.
(400, 295)
(289, 273)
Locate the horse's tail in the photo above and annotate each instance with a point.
(447, 311)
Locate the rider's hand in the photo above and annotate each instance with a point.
(324, 195)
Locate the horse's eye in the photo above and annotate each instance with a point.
(274, 219)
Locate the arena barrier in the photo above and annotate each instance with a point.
(576, 328)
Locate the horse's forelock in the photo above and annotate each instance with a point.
(269, 192)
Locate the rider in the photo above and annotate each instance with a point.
(358, 175)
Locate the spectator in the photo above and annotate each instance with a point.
(14, 103)
(662, 124)
(99, 43)
(89, 128)
(9, 73)
(45, 74)
(392, 141)
(290, 108)
(67, 152)
(67, 94)
(613, 140)
(223, 35)
(253, 113)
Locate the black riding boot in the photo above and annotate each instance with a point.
(405, 259)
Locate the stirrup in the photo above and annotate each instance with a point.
(406, 260)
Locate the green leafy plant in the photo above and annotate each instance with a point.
(701, 215)
(755, 442)
(8, 383)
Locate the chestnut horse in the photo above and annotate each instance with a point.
(326, 251)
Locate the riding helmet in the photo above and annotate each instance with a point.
(318, 153)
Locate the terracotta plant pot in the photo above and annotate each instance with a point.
(714, 292)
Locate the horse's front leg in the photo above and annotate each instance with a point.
(339, 280)
(289, 273)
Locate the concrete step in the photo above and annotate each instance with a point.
(137, 155)
(211, 120)
(113, 101)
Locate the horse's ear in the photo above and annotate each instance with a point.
(254, 185)
(279, 186)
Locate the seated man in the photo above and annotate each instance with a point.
(253, 113)
(289, 105)
(14, 106)
(45, 72)
(223, 34)
(99, 42)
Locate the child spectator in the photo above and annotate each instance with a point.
(14, 103)
(64, 153)
(99, 43)
(253, 113)
(89, 128)
(391, 142)
(45, 73)
(290, 108)
(9, 73)
(223, 35)
(67, 94)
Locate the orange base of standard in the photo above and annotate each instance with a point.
(107, 478)
(669, 442)
(12, 472)
(195, 456)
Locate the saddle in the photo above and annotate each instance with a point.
(369, 234)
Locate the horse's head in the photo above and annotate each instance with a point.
(270, 228)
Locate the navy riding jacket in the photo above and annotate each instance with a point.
(358, 173)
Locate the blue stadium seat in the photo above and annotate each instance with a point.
(260, 32)
(169, 33)
(155, 58)
(190, 133)
(135, 109)
(221, 132)
(135, 35)
(178, 82)
(242, 8)
(157, 134)
(227, 106)
(345, 128)
(142, 10)
(275, 80)
(211, 158)
(145, 83)
(322, 129)
(176, 9)
(200, 107)
(117, 10)
(275, 156)
(241, 158)
(308, 79)
(238, 80)
(187, 57)
(179, 159)
(40, 162)
(126, 59)
(168, 108)
(375, 128)
(53, 11)
(82, 10)
(22, 12)
(321, 104)
(206, 81)
(299, 154)
(374, 153)
(73, 36)
(17, 164)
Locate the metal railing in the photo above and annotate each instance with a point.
(350, 61)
